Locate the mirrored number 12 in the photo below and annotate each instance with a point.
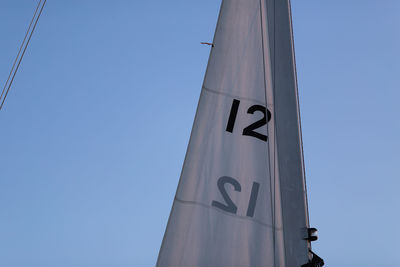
(229, 205)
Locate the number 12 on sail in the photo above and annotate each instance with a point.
(229, 205)
(249, 130)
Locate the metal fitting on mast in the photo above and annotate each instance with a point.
(315, 261)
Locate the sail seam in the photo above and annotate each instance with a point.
(226, 213)
(272, 174)
(233, 96)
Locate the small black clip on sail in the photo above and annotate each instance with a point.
(315, 261)
(212, 45)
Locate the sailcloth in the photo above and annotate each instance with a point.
(241, 196)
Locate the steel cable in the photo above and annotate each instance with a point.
(18, 59)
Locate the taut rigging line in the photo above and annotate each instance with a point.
(20, 55)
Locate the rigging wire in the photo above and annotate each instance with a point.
(19, 57)
(19, 52)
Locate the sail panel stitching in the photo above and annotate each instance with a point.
(271, 172)
(188, 202)
(233, 96)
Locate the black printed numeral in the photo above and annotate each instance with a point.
(232, 115)
(229, 205)
(249, 130)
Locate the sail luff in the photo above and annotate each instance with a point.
(288, 133)
(299, 120)
(278, 243)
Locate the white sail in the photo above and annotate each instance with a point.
(240, 199)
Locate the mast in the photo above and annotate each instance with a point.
(288, 132)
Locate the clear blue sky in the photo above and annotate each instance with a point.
(94, 131)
